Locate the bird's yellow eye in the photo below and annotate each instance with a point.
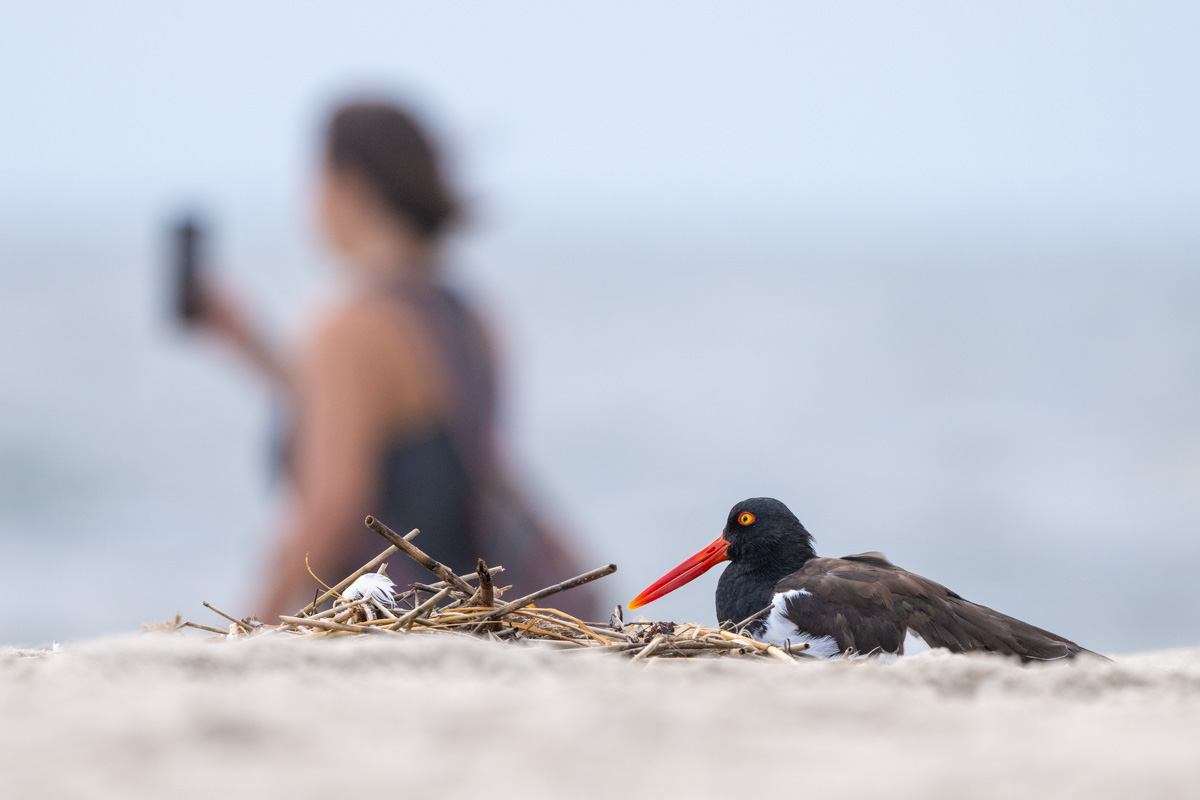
(745, 518)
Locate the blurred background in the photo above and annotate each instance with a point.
(926, 273)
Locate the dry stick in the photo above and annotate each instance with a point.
(726, 642)
(649, 649)
(329, 625)
(799, 647)
(529, 599)
(609, 630)
(346, 610)
(358, 573)
(567, 621)
(485, 595)
(418, 618)
(486, 589)
(717, 646)
(551, 634)
(751, 618)
(267, 632)
(433, 587)
(769, 649)
(211, 607)
(408, 618)
(416, 554)
(744, 640)
(588, 625)
(619, 647)
(436, 632)
(338, 609)
(204, 628)
(775, 652)
(676, 643)
(452, 614)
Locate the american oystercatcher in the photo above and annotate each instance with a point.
(860, 605)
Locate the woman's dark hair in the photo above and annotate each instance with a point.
(387, 147)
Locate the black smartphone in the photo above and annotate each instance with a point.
(188, 248)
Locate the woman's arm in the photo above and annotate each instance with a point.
(225, 317)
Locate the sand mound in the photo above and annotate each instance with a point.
(161, 717)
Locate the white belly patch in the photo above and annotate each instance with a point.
(914, 645)
(780, 630)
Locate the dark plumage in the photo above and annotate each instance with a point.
(863, 603)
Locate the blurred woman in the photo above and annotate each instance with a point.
(392, 397)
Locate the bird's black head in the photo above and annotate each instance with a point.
(762, 538)
(764, 532)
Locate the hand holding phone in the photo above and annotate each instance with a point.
(201, 303)
(189, 236)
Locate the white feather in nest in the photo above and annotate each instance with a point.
(376, 585)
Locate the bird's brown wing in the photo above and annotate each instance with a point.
(867, 604)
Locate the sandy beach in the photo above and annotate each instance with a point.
(162, 716)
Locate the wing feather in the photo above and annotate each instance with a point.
(867, 604)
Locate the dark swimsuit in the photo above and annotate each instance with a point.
(426, 485)
(433, 482)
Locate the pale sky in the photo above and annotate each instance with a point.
(1073, 116)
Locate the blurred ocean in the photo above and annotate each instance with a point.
(1016, 421)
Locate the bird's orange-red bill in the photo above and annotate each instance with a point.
(686, 572)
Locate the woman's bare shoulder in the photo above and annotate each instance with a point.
(354, 325)
(367, 341)
(338, 338)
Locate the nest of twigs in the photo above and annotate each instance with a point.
(366, 603)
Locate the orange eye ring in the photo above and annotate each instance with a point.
(746, 519)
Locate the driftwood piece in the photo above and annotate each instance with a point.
(416, 554)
